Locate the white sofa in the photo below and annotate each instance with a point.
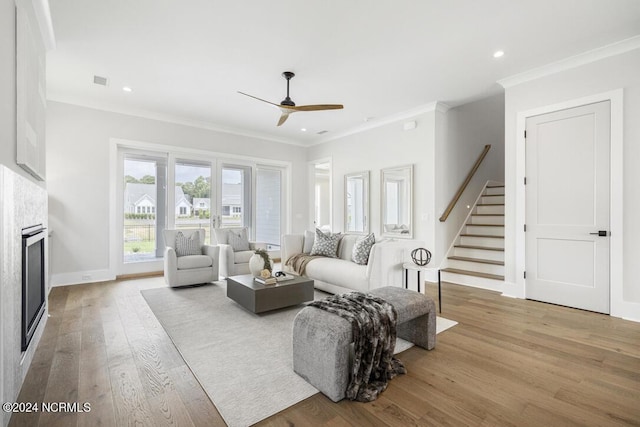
(340, 275)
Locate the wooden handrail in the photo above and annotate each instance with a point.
(466, 182)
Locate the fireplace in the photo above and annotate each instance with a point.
(33, 280)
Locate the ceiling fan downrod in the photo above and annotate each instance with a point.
(287, 101)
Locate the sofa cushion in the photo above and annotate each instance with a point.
(339, 272)
(346, 246)
(188, 245)
(242, 257)
(309, 238)
(326, 244)
(194, 261)
(362, 248)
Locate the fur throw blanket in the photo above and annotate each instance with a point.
(373, 323)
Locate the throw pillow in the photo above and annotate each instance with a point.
(362, 248)
(326, 244)
(188, 245)
(239, 240)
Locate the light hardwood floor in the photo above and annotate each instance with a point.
(508, 362)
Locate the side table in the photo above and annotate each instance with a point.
(420, 268)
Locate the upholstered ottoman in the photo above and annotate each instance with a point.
(322, 341)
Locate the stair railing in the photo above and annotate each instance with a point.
(466, 182)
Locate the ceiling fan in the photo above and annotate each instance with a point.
(287, 106)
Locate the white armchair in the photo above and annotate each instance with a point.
(234, 262)
(189, 269)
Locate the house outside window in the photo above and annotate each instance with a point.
(226, 210)
(183, 210)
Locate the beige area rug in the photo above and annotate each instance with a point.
(242, 360)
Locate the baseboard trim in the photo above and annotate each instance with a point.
(81, 277)
(139, 275)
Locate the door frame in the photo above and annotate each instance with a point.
(617, 305)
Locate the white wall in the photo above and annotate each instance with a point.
(382, 147)
(621, 71)
(467, 129)
(78, 176)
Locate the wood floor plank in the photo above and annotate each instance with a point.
(507, 362)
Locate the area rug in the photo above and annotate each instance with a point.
(242, 360)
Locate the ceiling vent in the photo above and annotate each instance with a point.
(322, 132)
(99, 80)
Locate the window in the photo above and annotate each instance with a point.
(142, 195)
(236, 194)
(268, 206)
(193, 186)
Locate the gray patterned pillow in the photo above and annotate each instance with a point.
(326, 244)
(362, 248)
(239, 241)
(188, 245)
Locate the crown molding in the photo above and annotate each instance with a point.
(603, 52)
(403, 115)
(169, 118)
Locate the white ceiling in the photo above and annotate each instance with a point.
(187, 59)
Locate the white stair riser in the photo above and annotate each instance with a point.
(482, 241)
(494, 190)
(479, 253)
(481, 229)
(483, 219)
(492, 199)
(476, 282)
(497, 209)
(476, 266)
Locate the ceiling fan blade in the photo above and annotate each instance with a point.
(318, 107)
(284, 117)
(259, 99)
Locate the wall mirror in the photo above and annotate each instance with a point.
(356, 203)
(397, 202)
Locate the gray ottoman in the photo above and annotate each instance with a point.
(322, 342)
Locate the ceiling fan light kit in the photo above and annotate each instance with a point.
(287, 106)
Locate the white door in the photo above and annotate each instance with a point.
(567, 207)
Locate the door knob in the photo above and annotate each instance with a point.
(601, 233)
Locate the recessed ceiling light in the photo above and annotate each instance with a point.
(127, 89)
(498, 54)
(303, 129)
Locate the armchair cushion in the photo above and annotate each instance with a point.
(188, 245)
(242, 257)
(194, 261)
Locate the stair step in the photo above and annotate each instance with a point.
(490, 204)
(487, 214)
(479, 260)
(486, 248)
(495, 186)
(485, 225)
(473, 273)
(482, 235)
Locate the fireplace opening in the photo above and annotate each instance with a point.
(33, 281)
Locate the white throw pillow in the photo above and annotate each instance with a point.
(188, 245)
(239, 241)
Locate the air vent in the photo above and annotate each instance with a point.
(100, 80)
(322, 132)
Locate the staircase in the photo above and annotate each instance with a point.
(477, 256)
